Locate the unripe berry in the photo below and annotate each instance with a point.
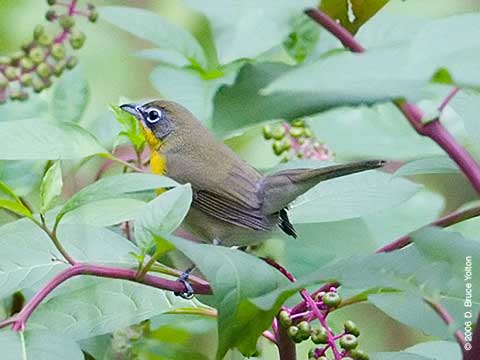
(59, 67)
(17, 55)
(19, 95)
(298, 122)
(39, 30)
(58, 51)
(292, 332)
(358, 354)
(51, 15)
(331, 299)
(11, 73)
(72, 62)
(307, 132)
(26, 79)
(280, 146)
(66, 22)
(304, 330)
(45, 39)
(278, 132)
(320, 336)
(37, 55)
(38, 85)
(351, 328)
(5, 60)
(43, 70)
(296, 132)
(324, 358)
(348, 342)
(51, 2)
(93, 16)
(284, 319)
(3, 81)
(267, 132)
(77, 39)
(26, 63)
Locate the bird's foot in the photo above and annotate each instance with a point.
(188, 293)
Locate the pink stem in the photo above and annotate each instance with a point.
(19, 320)
(448, 98)
(433, 129)
(268, 335)
(313, 307)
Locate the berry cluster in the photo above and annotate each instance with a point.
(45, 55)
(299, 329)
(295, 140)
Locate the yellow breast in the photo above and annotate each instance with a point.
(158, 162)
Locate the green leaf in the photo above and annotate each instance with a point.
(115, 187)
(234, 277)
(429, 165)
(105, 212)
(248, 28)
(131, 127)
(351, 196)
(352, 14)
(156, 29)
(104, 305)
(37, 139)
(162, 215)
(70, 97)
(467, 105)
(303, 39)
(380, 132)
(413, 311)
(23, 176)
(38, 345)
(163, 56)
(437, 350)
(10, 201)
(51, 186)
(189, 88)
(175, 336)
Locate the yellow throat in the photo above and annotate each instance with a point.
(158, 163)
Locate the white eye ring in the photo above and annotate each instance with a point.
(153, 116)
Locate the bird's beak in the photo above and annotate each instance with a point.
(133, 109)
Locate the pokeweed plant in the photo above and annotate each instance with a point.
(284, 81)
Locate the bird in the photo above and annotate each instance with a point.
(233, 204)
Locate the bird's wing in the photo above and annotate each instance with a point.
(239, 203)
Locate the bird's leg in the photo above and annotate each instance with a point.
(188, 293)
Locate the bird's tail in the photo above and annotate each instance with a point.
(282, 188)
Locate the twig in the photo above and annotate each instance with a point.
(19, 320)
(433, 129)
(286, 347)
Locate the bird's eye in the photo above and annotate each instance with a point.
(153, 116)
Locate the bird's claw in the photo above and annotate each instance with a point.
(188, 293)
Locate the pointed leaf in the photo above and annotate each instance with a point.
(51, 186)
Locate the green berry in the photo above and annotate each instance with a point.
(307, 132)
(5, 60)
(17, 55)
(358, 354)
(26, 79)
(58, 51)
(93, 16)
(279, 146)
(298, 123)
(296, 132)
(45, 39)
(348, 342)
(38, 31)
(26, 63)
(278, 132)
(331, 299)
(66, 22)
(292, 332)
(72, 62)
(320, 336)
(284, 319)
(38, 85)
(351, 328)
(304, 330)
(19, 95)
(347, 358)
(311, 353)
(51, 2)
(77, 39)
(59, 67)
(51, 15)
(3, 81)
(26, 46)
(267, 132)
(37, 55)
(23, 96)
(11, 73)
(322, 358)
(43, 70)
